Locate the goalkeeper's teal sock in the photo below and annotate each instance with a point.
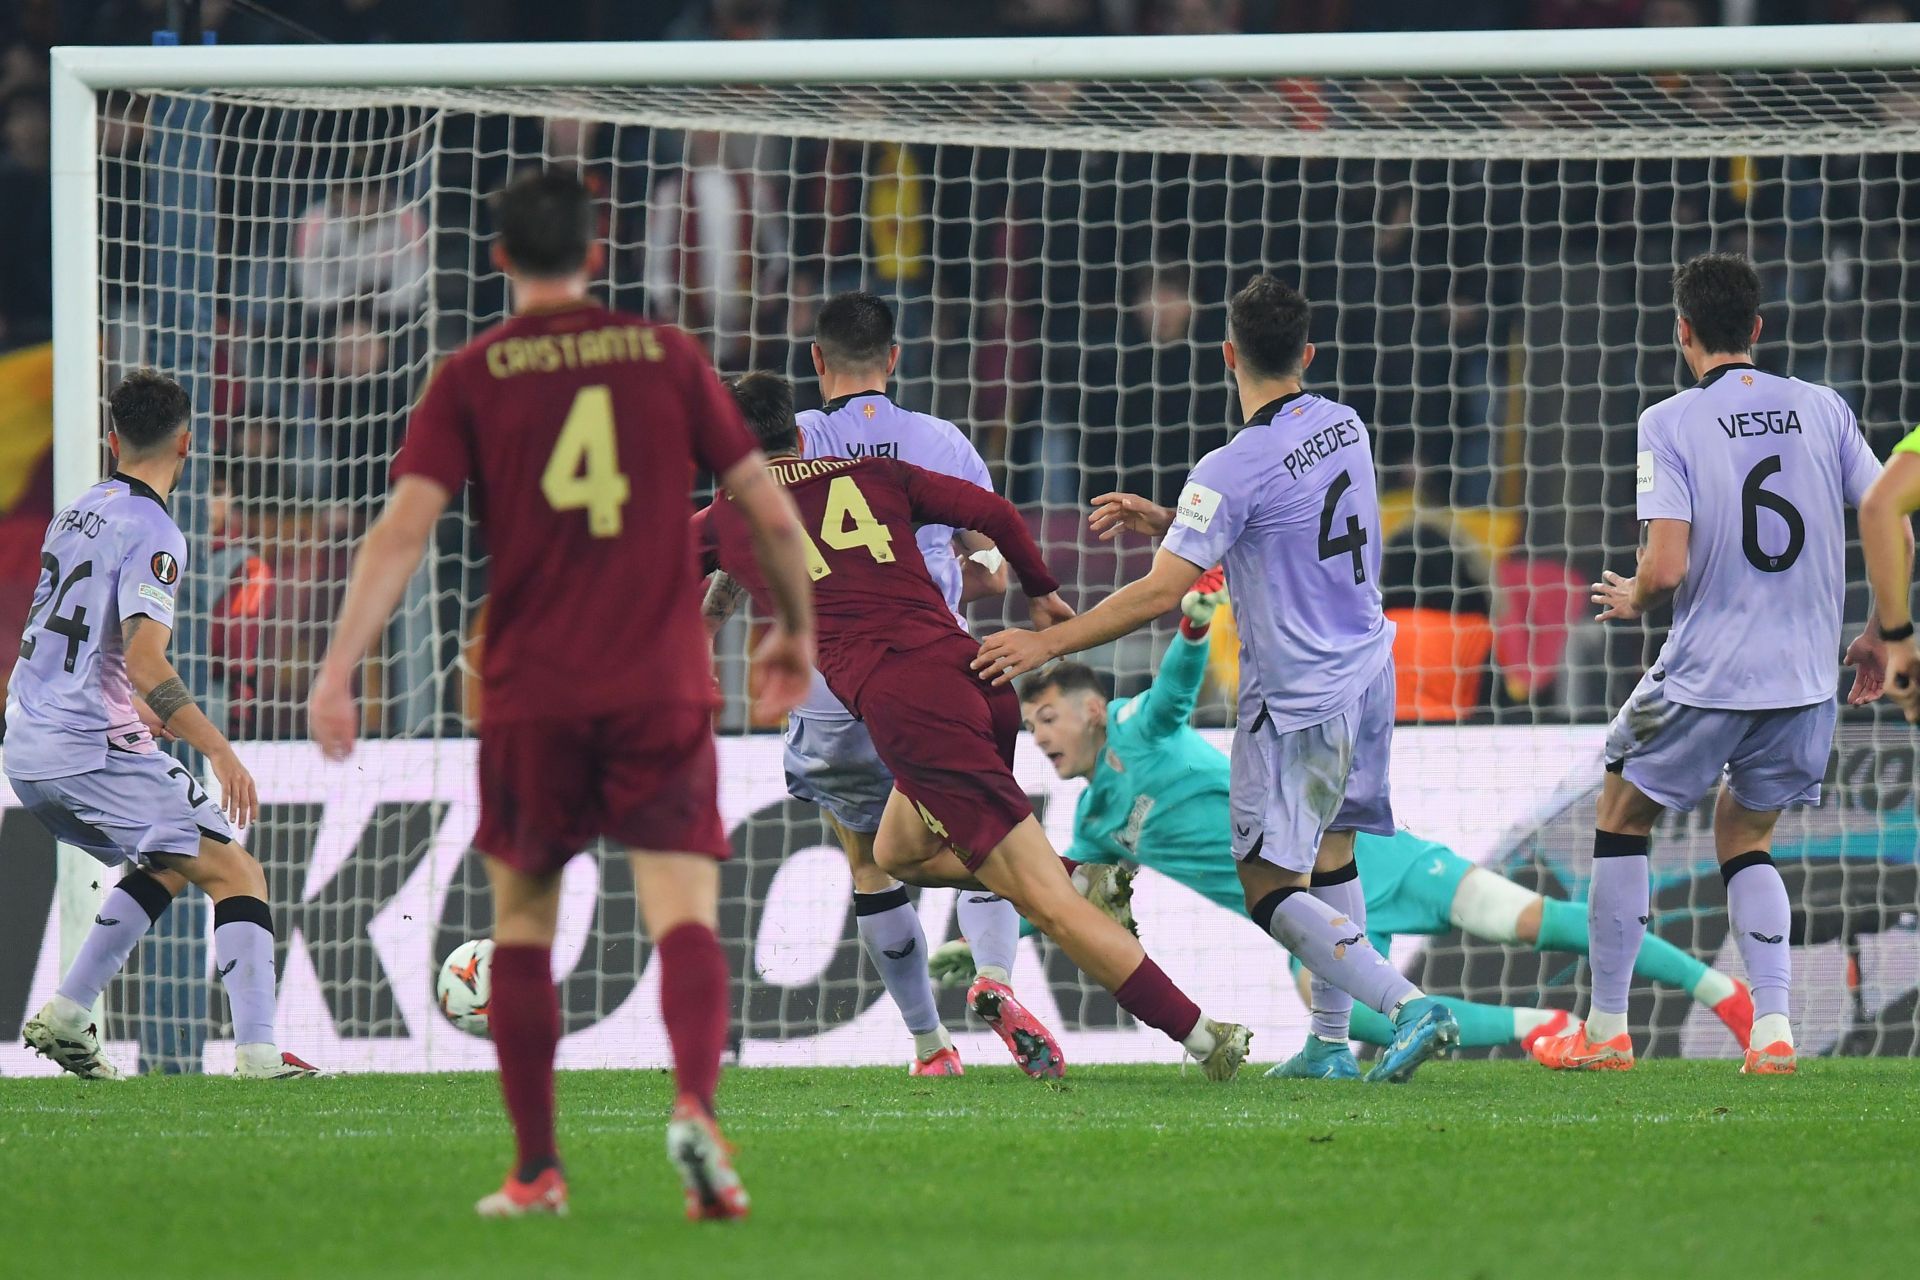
(1482, 1026)
(1563, 927)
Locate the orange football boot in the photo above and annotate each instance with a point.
(705, 1162)
(547, 1193)
(1572, 1051)
(1737, 1012)
(1777, 1059)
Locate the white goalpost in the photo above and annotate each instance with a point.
(1484, 223)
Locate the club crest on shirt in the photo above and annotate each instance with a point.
(166, 570)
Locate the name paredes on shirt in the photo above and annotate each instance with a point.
(1322, 444)
(550, 352)
(1760, 422)
(87, 523)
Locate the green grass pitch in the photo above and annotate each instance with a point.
(1474, 1170)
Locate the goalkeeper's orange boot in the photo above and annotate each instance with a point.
(1777, 1059)
(705, 1162)
(546, 1193)
(1033, 1047)
(1737, 1012)
(1574, 1052)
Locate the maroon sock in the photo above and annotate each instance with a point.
(1069, 864)
(693, 1001)
(1150, 996)
(524, 1016)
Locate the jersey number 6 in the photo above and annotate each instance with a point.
(1752, 498)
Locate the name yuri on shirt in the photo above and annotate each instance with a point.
(1323, 443)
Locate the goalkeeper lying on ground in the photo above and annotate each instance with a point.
(1157, 797)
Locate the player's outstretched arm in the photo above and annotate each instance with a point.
(723, 596)
(1886, 538)
(144, 642)
(387, 559)
(1012, 653)
(1114, 512)
(1662, 567)
(785, 657)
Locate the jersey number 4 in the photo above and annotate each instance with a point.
(1354, 541)
(583, 472)
(74, 626)
(848, 522)
(1752, 498)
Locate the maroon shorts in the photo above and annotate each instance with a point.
(948, 737)
(644, 779)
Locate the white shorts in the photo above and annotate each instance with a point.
(137, 804)
(1675, 754)
(832, 763)
(1289, 788)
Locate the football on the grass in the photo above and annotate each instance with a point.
(466, 985)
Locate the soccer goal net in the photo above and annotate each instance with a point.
(1485, 226)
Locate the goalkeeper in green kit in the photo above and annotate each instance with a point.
(1157, 797)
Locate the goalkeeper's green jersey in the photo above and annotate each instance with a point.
(1158, 797)
(1910, 443)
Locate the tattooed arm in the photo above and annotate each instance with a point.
(723, 596)
(144, 642)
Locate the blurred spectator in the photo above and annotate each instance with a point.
(383, 21)
(359, 243)
(355, 400)
(242, 586)
(1191, 17)
(714, 246)
(734, 20)
(1435, 592)
(26, 201)
(1673, 13)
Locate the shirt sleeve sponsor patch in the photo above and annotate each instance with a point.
(1643, 472)
(1198, 504)
(155, 596)
(166, 570)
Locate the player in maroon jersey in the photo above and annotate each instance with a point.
(580, 430)
(891, 651)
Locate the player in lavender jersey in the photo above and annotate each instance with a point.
(830, 760)
(1741, 483)
(89, 693)
(1289, 506)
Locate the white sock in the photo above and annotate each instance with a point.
(1405, 1000)
(928, 1043)
(70, 1013)
(1528, 1021)
(1605, 1026)
(1713, 987)
(1771, 1028)
(992, 928)
(1200, 1041)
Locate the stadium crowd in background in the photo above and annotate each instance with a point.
(1066, 307)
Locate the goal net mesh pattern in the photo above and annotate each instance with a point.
(1488, 260)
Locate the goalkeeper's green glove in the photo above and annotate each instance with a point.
(951, 964)
(1198, 605)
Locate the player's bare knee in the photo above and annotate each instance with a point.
(1259, 878)
(1625, 809)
